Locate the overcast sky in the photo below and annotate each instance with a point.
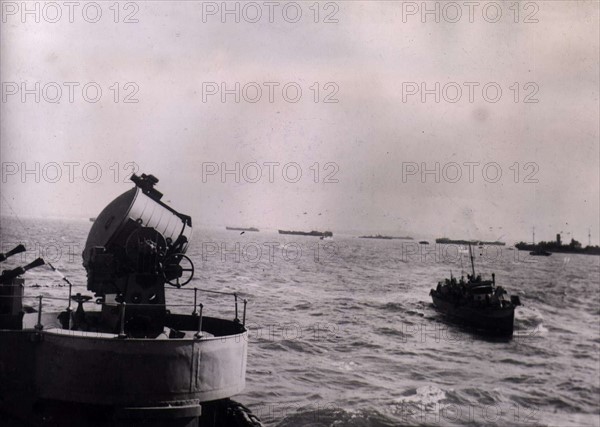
(371, 141)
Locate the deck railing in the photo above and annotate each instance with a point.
(197, 307)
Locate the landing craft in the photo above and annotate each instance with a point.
(476, 303)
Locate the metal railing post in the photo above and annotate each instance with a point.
(39, 325)
(122, 334)
(195, 312)
(198, 334)
(70, 293)
(69, 310)
(236, 308)
(244, 315)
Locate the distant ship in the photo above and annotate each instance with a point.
(309, 233)
(544, 248)
(423, 242)
(379, 236)
(446, 240)
(92, 219)
(241, 229)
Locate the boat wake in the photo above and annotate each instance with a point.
(337, 417)
(529, 322)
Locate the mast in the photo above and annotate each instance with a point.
(534, 235)
(472, 263)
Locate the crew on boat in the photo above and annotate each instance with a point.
(461, 292)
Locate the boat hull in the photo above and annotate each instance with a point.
(307, 233)
(535, 253)
(496, 321)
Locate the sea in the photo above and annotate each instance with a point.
(342, 331)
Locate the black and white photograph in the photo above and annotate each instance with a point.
(311, 213)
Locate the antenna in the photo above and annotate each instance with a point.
(534, 235)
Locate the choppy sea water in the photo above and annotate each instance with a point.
(343, 333)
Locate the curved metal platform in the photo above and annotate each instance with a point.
(141, 376)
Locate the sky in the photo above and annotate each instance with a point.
(357, 100)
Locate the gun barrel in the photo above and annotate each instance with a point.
(35, 263)
(16, 250)
(9, 275)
